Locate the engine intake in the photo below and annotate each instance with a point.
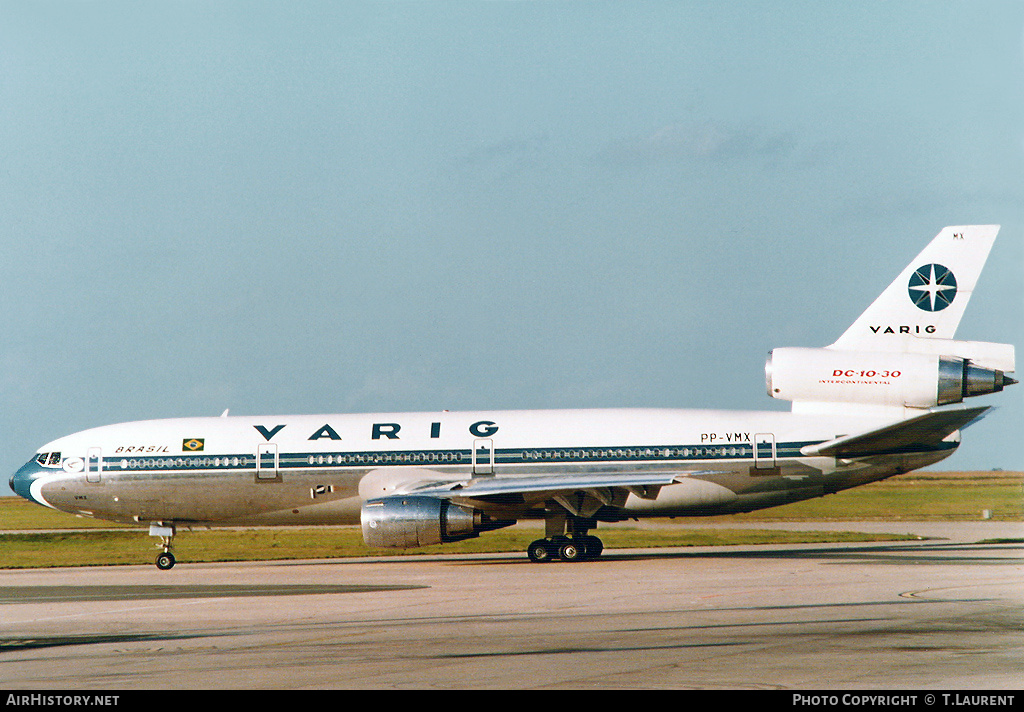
(911, 380)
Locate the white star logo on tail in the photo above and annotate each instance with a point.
(932, 287)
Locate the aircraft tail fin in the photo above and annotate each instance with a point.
(928, 298)
(900, 353)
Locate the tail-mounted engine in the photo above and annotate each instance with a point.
(913, 380)
(406, 522)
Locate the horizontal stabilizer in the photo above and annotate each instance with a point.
(920, 432)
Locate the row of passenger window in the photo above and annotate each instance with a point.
(627, 453)
(427, 457)
(386, 457)
(533, 455)
(162, 462)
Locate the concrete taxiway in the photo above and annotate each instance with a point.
(925, 614)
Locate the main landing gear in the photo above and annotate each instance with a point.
(566, 539)
(165, 559)
(565, 548)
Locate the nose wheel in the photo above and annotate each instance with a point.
(165, 561)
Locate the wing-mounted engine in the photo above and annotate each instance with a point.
(409, 521)
(895, 379)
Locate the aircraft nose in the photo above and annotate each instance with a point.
(21, 481)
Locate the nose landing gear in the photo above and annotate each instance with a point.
(165, 560)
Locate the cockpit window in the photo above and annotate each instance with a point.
(48, 458)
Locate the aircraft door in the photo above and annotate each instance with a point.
(267, 463)
(93, 465)
(764, 451)
(483, 456)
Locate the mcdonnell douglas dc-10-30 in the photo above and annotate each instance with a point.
(884, 399)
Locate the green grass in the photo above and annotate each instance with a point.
(17, 513)
(921, 496)
(96, 548)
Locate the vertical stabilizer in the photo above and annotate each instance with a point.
(928, 299)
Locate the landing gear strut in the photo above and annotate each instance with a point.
(567, 539)
(165, 560)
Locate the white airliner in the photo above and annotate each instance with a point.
(880, 401)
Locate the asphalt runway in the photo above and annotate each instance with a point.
(929, 614)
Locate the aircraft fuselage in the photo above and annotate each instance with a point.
(309, 469)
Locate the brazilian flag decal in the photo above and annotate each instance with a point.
(193, 444)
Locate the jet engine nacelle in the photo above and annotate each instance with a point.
(404, 521)
(913, 380)
(407, 522)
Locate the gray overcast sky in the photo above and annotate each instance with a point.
(281, 207)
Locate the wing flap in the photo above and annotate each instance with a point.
(920, 432)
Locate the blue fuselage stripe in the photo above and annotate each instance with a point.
(661, 454)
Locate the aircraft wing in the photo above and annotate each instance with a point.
(479, 487)
(916, 433)
(582, 494)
